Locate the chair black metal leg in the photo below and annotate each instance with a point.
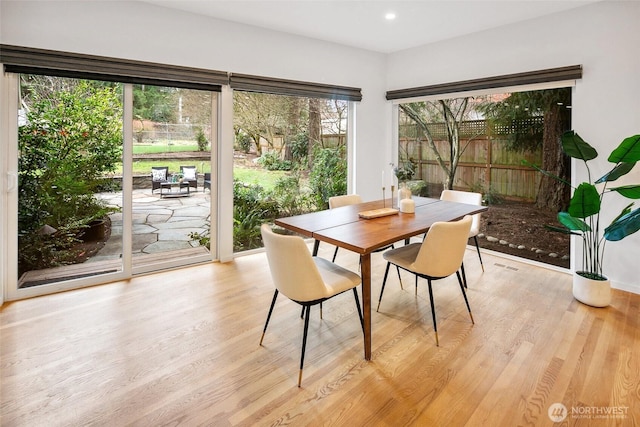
(384, 282)
(335, 253)
(355, 294)
(433, 312)
(475, 239)
(304, 342)
(399, 277)
(302, 313)
(464, 276)
(416, 285)
(273, 303)
(464, 294)
(316, 246)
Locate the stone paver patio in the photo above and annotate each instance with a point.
(159, 224)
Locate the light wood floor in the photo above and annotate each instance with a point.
(181, 348)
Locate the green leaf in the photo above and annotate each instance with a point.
(624, 211)
(627, 151)
(585, 201)
(574, 146)
(623, 226)
(572, 223)
(628, 191)
(620, 170)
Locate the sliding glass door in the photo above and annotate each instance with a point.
(112, 180)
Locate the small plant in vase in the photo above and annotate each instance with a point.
(404, 173)
(582, 218)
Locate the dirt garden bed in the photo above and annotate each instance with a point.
(518, 228)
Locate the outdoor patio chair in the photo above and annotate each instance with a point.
(207, 182)
(159, 174)
(190, 174)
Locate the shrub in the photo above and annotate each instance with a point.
(70, 139)
(328, 175)
(299, 147)
(292, 199)
(201, 139)
(272, 161)
(251, 207)
(243, 142)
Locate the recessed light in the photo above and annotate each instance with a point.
(389, 16)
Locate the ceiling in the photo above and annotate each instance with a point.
(362, 24)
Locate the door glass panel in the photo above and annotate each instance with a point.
(172, 134)
(70, 143)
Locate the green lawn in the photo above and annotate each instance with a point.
(267, 179)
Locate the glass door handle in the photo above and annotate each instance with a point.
(12, 181)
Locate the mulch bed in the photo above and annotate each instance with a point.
(522, 224)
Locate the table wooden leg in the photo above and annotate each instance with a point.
(365, 270)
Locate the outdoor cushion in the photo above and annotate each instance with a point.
(189, 173)
(159, 174)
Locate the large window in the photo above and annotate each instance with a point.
(290, 156)
(484, 144)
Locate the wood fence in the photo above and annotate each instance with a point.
(485, 165)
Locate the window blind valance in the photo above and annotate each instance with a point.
(531, 77)
(17, 59)
(293, 88)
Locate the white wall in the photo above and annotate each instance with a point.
(604, 38)
(147, 32)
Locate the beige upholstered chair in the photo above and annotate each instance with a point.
(470, 199)
(340, 201)
(438, 256)
(304, 279)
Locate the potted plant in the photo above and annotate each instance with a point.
(582, 218)
(404, 173)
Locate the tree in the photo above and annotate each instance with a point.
(155, 103)
(451, 112)
(260, 115)
(516, 113)
(315, 132)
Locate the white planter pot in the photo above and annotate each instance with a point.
(596, 293)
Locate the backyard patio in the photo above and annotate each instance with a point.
(160, 225)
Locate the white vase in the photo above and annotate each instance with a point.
(403, 192)
(596, 293)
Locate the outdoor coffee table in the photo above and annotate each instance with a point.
(170, 186)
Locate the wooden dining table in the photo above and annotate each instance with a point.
(345, 228)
